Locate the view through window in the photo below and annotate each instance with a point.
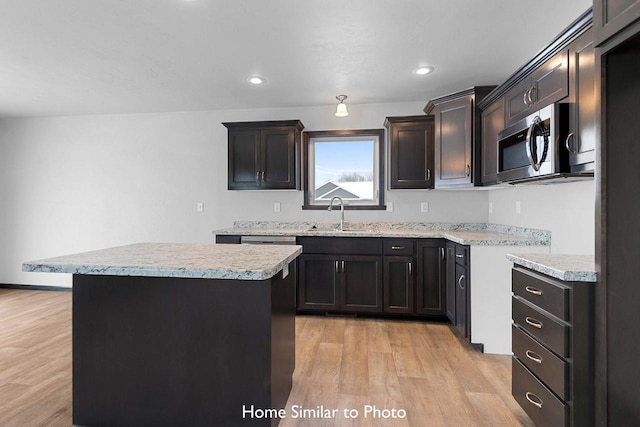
(344, 165)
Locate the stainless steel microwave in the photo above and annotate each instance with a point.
(531, 149)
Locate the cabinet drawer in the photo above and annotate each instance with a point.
(462, 255)
(549, 368)
(341, 245)
(542, 406)
(398, 247)
(551, 332)
(541, 291)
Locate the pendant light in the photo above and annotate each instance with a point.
(341, 109)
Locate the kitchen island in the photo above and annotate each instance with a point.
(180, 334)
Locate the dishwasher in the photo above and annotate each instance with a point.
(268, 240)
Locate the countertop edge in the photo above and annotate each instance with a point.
(567, 275)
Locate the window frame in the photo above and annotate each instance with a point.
(350, 133)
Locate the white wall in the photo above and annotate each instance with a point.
(567, 210)
(72, 184)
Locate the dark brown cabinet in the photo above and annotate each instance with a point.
(410, 152)
(340, 274)
(617, 226)
(457, 137)
(545, 85)
(581, 141)
(612, 16)
(399, 275)
(552, 343)
(492, 123)
(457, 288)
(430, 285)
(264, 155)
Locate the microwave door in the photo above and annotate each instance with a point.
(513, 156)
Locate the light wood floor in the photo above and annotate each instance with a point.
(341, 363)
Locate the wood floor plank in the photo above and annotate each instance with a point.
(423, 368)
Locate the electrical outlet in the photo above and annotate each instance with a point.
(424, 207)
(200, 207)
(518, 207)
(389, 206)
(276, 206)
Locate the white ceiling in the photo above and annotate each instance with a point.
(74, 57)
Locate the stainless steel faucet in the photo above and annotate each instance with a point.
(341, 228)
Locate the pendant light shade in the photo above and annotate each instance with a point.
(341, 109)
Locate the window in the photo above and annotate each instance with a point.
(345, 163)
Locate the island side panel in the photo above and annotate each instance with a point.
(283, 332)
(170, 351)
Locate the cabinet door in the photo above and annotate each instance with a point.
(398, 284)
(550, 82)
(517, 102)
(430, 286)
(581, 142)
(361, 286)
(611, 16)
(318, 282)
(451, 282)
(462, 281)
(492, 123)
(453, 143)
(278, 158)
(411, 155)
(244, 166)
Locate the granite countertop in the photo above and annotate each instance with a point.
(463, 233)
(570, 268)
(208, 261)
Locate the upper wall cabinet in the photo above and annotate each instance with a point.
(610, 17)
(410, 152)
(457, 137)
(581, 140)
(264, 155)
(544, 86)
(492, 123)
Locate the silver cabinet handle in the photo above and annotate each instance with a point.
(524, 97)
(262, 176)
(467, 170)
(410, 268)
(567, 144)
(459, 256)
(258, 176)
(533, 399)
(428, 174)
(397, 248)
(441, 254)
(337, 270)
(533, 291)
(530, 93)
(533, 356)
(460, 281)
(533, 322)
(343, 266)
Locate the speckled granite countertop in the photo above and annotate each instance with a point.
(570, 268)
(463, 233)
(208, 261)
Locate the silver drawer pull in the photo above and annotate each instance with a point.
(459, 256)
(534, 356)
(533, 399)
(533, 290)
(397, 248)
(533, 322)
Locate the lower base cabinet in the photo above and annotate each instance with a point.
(372, 275)
(553, 348)
(457, 288)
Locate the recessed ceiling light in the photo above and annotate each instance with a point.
(424, 70)
(256, 80)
